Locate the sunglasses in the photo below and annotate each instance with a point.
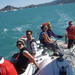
(19, 44)
(28, 34)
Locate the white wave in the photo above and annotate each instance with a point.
(5, 29)
(15, 37)
(63, 16)
(28, 26)
(14, 10)
(18, 29)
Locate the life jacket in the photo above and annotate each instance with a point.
(71, 32)
(33, 40)
(7, 68)
(20, 62)
(24, 38)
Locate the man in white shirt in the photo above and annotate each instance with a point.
(31, 44)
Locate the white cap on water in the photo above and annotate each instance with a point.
(1, 60)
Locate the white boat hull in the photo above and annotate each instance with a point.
(52, 67)
(49, 65)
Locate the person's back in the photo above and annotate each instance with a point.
(70, 34)
(7, 68)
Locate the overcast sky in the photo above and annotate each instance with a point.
(21, 3)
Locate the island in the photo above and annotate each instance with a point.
(12, 8)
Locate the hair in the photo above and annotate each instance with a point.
(70, 22)
(49, 27)
(29, 31)
(20, 41)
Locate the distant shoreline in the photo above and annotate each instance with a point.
(12, 8)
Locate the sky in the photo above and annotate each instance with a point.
(21, 3)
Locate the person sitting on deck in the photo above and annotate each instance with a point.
(22, 58)
(49, 31)
(45, 37)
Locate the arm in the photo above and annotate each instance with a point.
(51, 33)
(30, 57)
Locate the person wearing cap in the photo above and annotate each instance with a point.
(49, 31)
(22, 58)
(70, 34)
(6, 67)
(31, 44)
(45, 37)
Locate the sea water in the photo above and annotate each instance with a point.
(13, 24)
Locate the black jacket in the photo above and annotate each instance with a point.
(20, 62)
